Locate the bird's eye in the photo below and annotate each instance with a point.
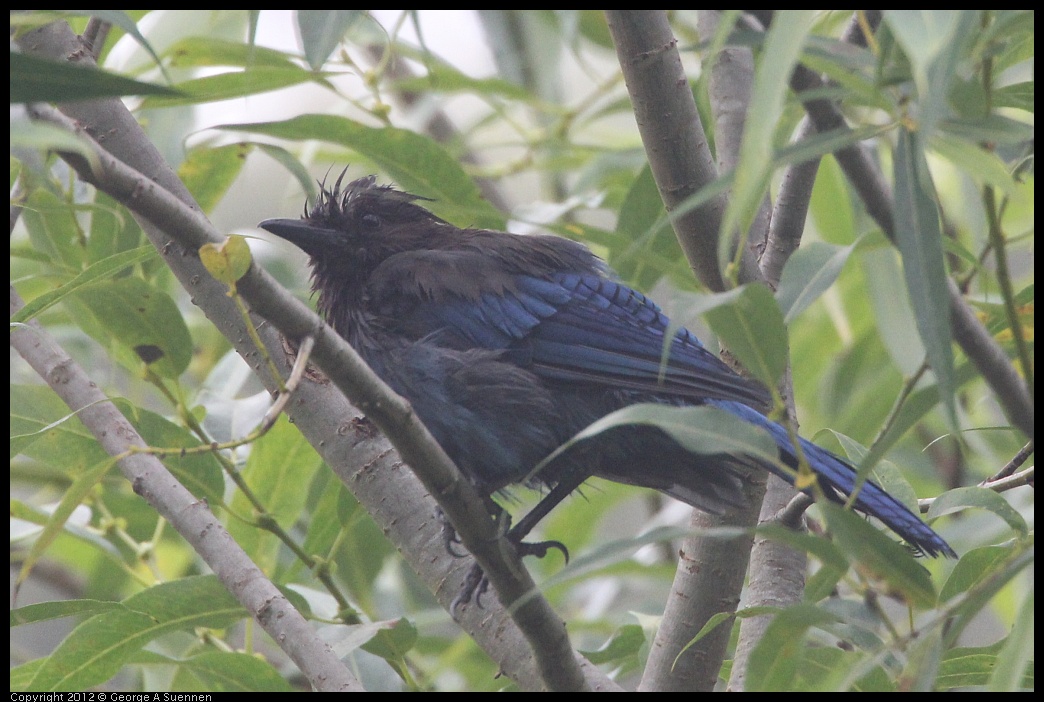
(371, 221)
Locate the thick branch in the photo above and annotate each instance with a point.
(730, 82)
(671, 131)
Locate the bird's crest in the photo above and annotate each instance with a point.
(337, 203)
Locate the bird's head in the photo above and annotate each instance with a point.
(356, 226)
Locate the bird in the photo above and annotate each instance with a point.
(509, 345)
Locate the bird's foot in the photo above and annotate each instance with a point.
(540, 548)
(476, 583)
(473, 588)
(449, 534)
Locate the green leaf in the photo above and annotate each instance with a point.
(1016, 559)
(705, 431)
(208, 172)
(39, 80)
(392, 643)
(808, 274)
(280, 463)
(933, 41)
(293, 164)
(42, 428)
(141, 318)
(820, 145)
(46, 611)
(1017, 655)
(1014, 33)
(211, 51)
(973, 667)
(322, 30)
(982, 166)
(55, 231)
(96, 649)
(993, 128)
(444, 78)
(919, 237)
(21, 675)
(416, 162)
(896, 321)
(750, 324)
(114, 230)
(922, 663)
(828, 669)
(231, 671)
(778, 656)
(234, 84)
(783, 45)
(643, 221)
(73, 497)
(356, 635)
(973, 567)
(1017, 95)
(227, 262)
(625, 642)
(831, 205)
(884, 473)
(826, 551)
(38, 136)
(850, 67)
(99, 271)
(917, 406)
(960, 498)
(877, 554)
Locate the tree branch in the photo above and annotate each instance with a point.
(671, 130)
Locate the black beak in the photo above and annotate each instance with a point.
(309, 238)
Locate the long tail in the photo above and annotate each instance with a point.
(838, 477)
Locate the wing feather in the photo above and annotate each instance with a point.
(563, 326)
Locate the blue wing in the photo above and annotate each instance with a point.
(565, 326)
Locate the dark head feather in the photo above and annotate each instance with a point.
(362, 205)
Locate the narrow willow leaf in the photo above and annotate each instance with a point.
(919, 237)
(322, 30)
(749, 322)
(783, 46)
(96, 649)
(143, 319)
(878, 555)
(416, 162)
(102, 270)
(39, 80)
(808, 274)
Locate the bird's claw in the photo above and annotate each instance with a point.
(474, 586)
(449, 534)
(476, 583)
(540, 548)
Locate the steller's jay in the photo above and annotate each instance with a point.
(507, 346)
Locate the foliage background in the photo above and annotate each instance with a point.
(534, 132)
